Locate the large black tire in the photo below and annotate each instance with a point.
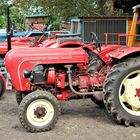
(39, 111)
(1, 87)
(120, 97)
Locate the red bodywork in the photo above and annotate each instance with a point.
(51, 52)
(52, 43)
(53, 59)
(22, 42)
(105, 49)
(124, 52)
(56, 58)
(22, 39)
(56, 62)
(28, 58)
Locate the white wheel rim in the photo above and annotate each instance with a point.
(42, 120)
(128, 97)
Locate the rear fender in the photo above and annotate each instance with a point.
(105, 50)
(124, 52)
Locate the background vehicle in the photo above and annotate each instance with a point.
(16, 33)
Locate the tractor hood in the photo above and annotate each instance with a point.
(20, 59)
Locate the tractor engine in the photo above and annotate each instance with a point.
(65, 81)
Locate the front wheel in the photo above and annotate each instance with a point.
(122, 92)
(39, 111)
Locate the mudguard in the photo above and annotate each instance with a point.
(123, 52)
(105, 50)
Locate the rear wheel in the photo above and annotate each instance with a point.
(39, 111)
(122, 92)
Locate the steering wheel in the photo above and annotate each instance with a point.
(37, 42)
(95, 41)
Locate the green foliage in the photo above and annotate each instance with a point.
(2, 21)
(57, 9)
(55, 21)
(3, 7)
(70, 8)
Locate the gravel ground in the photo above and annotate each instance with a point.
(80, 120)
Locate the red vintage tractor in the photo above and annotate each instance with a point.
(53, 74)
(43, 76)
(98, 59)
(46, 75)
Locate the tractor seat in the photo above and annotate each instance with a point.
(61, 38)
(67, 35)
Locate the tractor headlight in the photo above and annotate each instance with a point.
(27, 73)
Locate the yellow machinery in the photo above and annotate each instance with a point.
(133, 26)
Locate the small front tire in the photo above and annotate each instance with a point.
(39, 111)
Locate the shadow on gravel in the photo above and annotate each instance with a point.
(86, 109)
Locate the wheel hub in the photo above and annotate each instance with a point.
(40, 112)
(138, 92)
(132, 91)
